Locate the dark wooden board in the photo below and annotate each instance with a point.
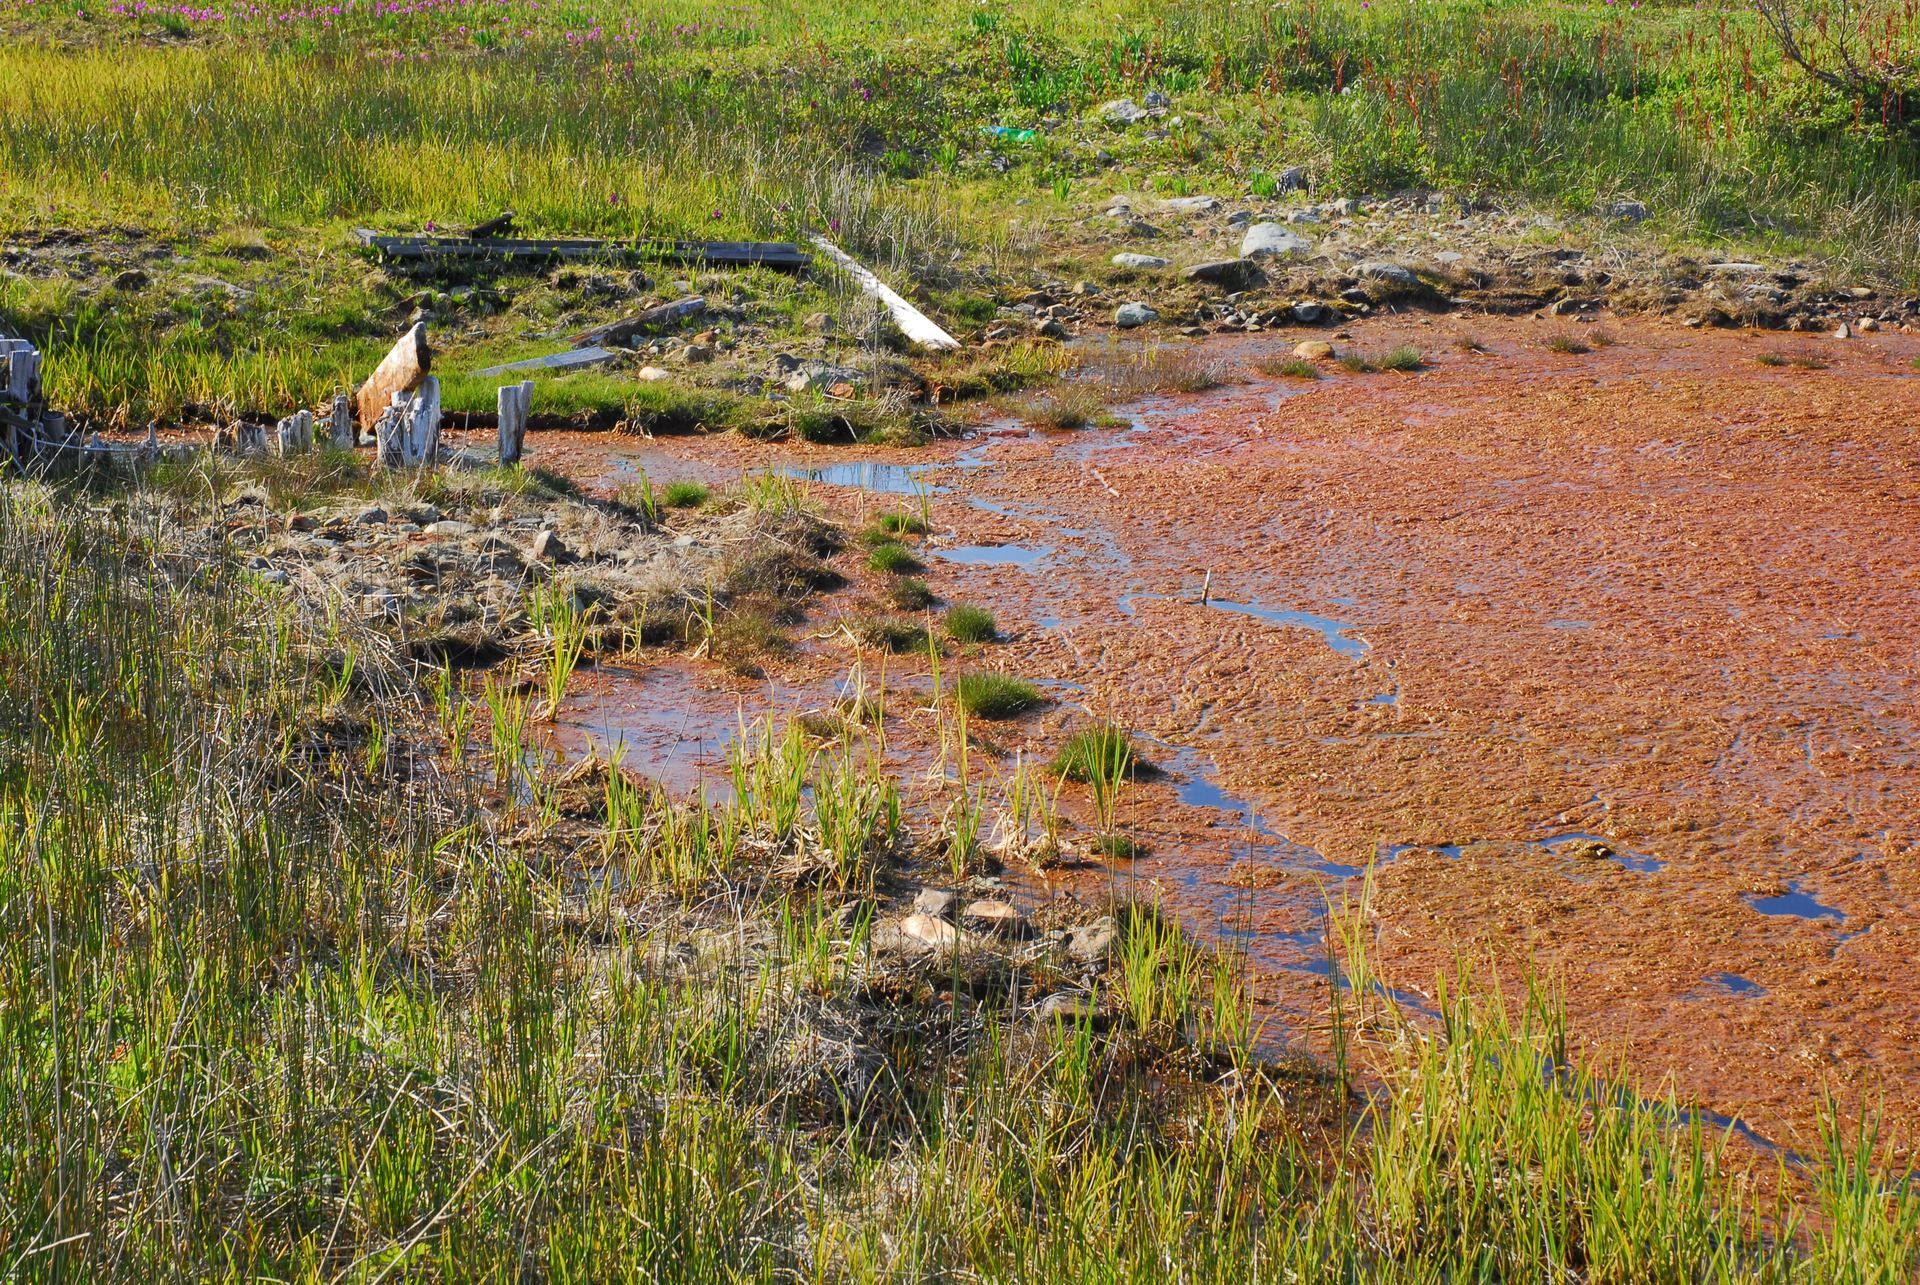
(772, 254)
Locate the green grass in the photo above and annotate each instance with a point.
(893, 559)
(892, 634)
(1403, 358)
(987, 694)
(1568, 345)
(685, 495)
(289, 989)
(1117, 847)
(1771, 359)
(1287, 368)
(910, 593)
(1100, 753)
(967, 623)
(901, 523)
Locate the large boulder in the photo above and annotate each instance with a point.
(400, 371)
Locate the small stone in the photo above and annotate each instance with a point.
(936, 902)
(1072, 1007)
(1867, 325)
(549, 547)
(1091, 943)
(694, 354)
(1190, 205)
(1239, 219)
(1861, 292)
(1085, 289)
(1122, 112)
(819, 323)
(934, 934)
(1392, 274)
(449, 527)
(1313, 350)
(996, 918)
(1844, 331)
(1157, 101)
(372, 515)
(1291, 179)
(1309, 313)
(1048, 328)
(1230, 274)
(1272, 240)
(1129, 315)
(651, 375)
(1627, 211)
(130, 279)
(275, 576)
(1140, 262)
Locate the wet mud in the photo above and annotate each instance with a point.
(1606, 661)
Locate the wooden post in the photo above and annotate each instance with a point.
(423, 432)
(514, 403)
(346, 435)
(390, 433)
(23, 372)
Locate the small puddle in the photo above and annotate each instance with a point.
(1027, 557)
(1726, 985)
(870, 475)
(1795, 904)
(1332, 632)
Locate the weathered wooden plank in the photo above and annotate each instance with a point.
(913, 323)
(772, 254)
(514, 402)
(572, 359)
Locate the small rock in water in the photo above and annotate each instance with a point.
(1127, 259)
(1313, 350)
(1129, 315)
(1272, 240)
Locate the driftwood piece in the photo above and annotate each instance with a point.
(572, 359)
(423, 427)
(913, 323)
(622, 333)
(502, 225)
(346, 435)
(294, 434)
(769, 254)
(514, 403)
(400, 371)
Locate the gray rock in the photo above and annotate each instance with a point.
(130, 279)
(1292, 179)
(1303, 216)
(1071, 1007)
(1092, 943)
(1627, 211)
(934, 902)
(1309, 313)
(1230, 274)
(1272, 240)
(1138, 262)
(1239, 219)
(1129, 315)
(1123, 112)
(449, 527)
(1346, 207)
(1049, 328)
(549, 547)
(372, 515)
(1392, 274)
(1190, 205)
(1157, 101)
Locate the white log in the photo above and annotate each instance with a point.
(514, 403)
(913, 323)
(23, 371)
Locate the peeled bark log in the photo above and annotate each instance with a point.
(400, 371)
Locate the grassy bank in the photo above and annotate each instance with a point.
(207, 136)
(312, 970)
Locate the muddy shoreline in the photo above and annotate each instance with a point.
(1602, 660)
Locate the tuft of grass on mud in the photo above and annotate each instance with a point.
(1287, 367)
(890, 633)
(893, 559)
(901, 523)
(1568, 345)
(1403, 358)
(987, 694)
(966, 622)
(910, 593)
(1117, 847)
(1100, 753)
(1772, 359)
(685, 495)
